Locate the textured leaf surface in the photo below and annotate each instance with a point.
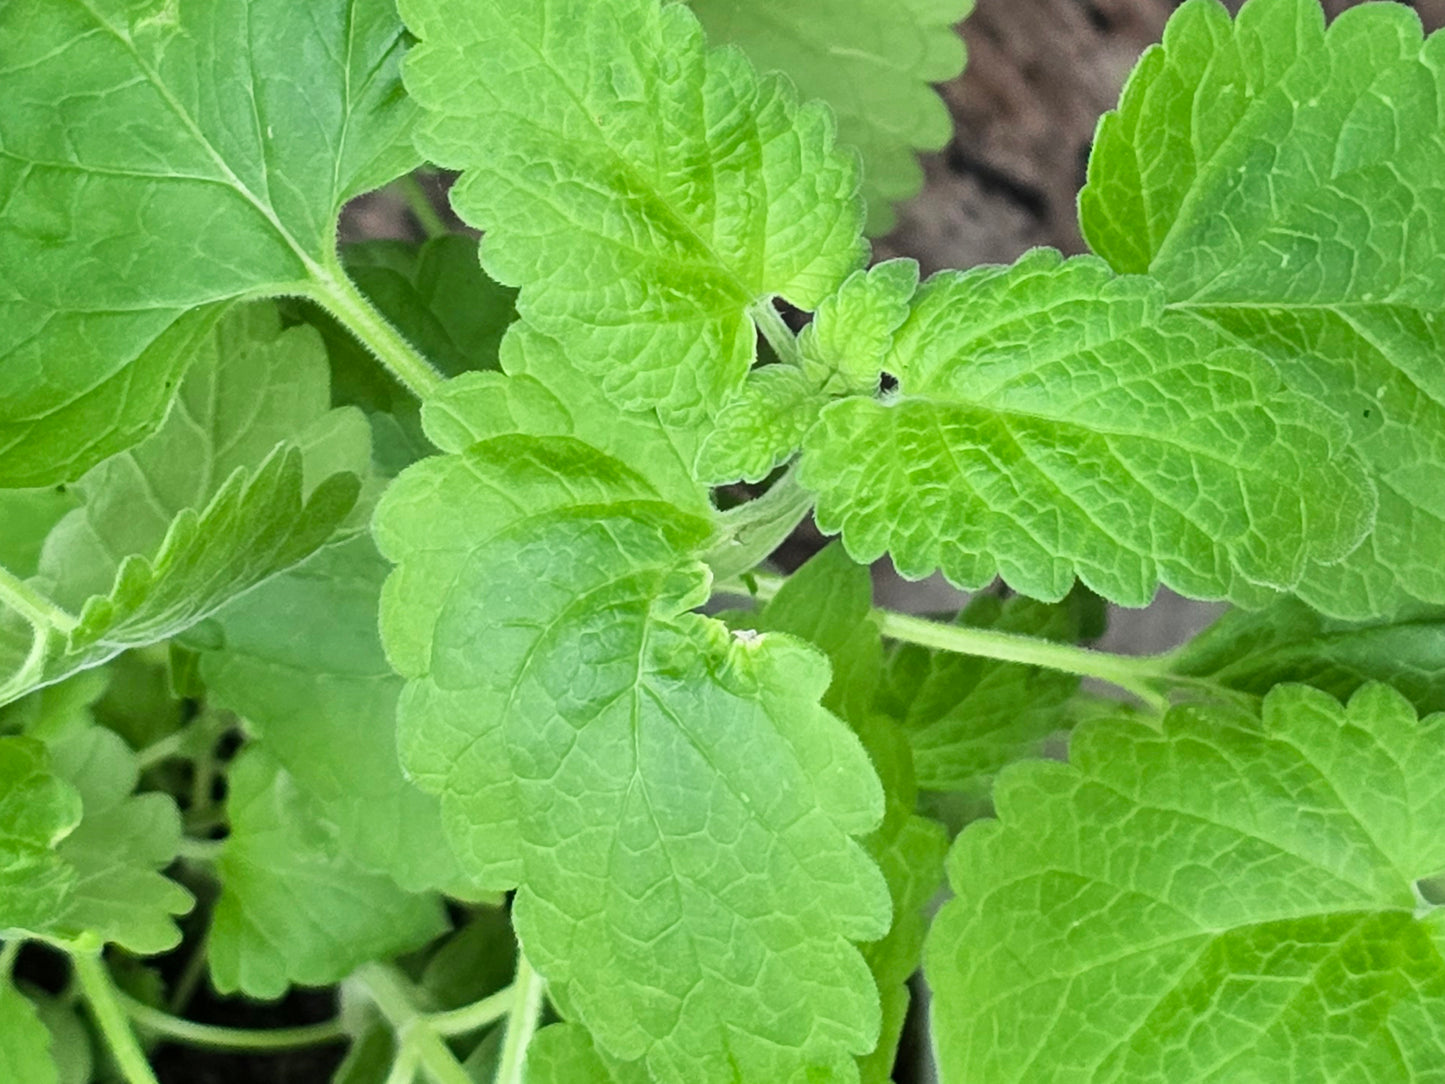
(118, 850)
(967, 717)
(544, 394)
(565, 1054)
(1290, 642)
(849, 338)
(673, 804)
(761, 426)
(642, 191)
(24, 1040)
(249, 474)
(1223, 899)
(37, 811)
(1283, 184)
(871, 62)
(1052, 421)
(293, 909)
(159, 157)
(301, 661)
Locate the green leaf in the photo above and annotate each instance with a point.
(293, 909)
(249, 474)
(1225, 898)
(761, 426)
(846, 344)
(673, 805)
(1052, 422)
(159, 157)
(1254, 652)
(644, 192)
(29, 515)
(37, 811)
(872, 63)
(967, 717)
(301, 661)
(436, 295)
(544, 394)
(70, 1041)
(565, 1054)
(122, 843)
(1282, 184)
(25, 1053)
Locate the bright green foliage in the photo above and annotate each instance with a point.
(673, 803)
(159, 157)
(852, 332)
(565, 1054)
(118, 849)
(1052, 421)
(300, 660)
(871, 62)
(249, 474)
(37, 811)
(967, 717)
(292, 909)
(643, 191)
(436, 295)
(544, 395)
(1282, 184)
(29, 515)
(1229, 898)
(25, 1053)
(1290, 642)
(761, 426)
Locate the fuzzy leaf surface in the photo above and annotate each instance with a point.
(300, 659)
(293, 909)
(643, 191)
(673, 805)
(1229, 897)
(24, 1040)
(1282, 182)
(872, 63)
(1053, 422)
(250, 473)
(160, 157)
(1289, 641)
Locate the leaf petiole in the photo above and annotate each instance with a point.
(335, 292)
(386, 990)
(218, 1038)
(1135, 675)
(107, 1007)
(32, 605)
(521, 1022)
(780, 337)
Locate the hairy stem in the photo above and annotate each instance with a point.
(419, 203)
(219, 1038)
(1132, 674)
(339, 295)
(748, 533)
(521, 1022)
(106, 1007)
(780, 337)
(32, 605)
(387, 991)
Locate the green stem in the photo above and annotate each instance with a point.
(387, 991)
(164, 749)
(521, 1022)
(219, 1038)
(1133, 674)
(748, 533)
(776, 330)
(199, 850)
(339, 295)
(403, 1069)
(419, 203)
(32, 605)
(106, 1007)
(475, 1016)
(191, 976)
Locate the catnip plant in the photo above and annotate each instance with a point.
(400, 620)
